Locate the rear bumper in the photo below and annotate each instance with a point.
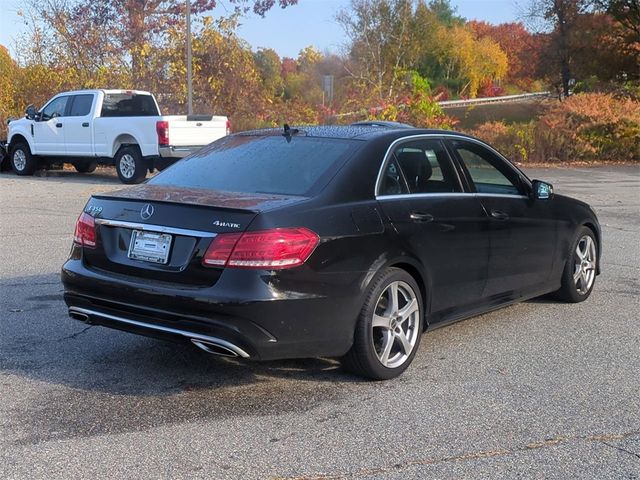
(206, 342)
(244, 312)
(171, 151)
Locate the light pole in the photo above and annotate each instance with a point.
(189, 72)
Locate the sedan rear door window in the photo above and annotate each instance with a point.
(419, 167)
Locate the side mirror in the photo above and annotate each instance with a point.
(31, 112)
(541, 190)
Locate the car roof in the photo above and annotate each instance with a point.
(106, 91)
(358, 132)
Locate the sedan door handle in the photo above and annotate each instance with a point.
(421, 217)
(58, 125)
(85, 124)
(498, 215)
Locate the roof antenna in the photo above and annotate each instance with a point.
(288, 131)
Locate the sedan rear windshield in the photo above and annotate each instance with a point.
(262, 164)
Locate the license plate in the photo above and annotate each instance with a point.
(150, 247)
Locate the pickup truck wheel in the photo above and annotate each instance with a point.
(85, 167)
(22, 161)
(130, 165)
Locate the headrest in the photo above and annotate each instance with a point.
(416, 167)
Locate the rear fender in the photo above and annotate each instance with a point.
(413, 267)
(123, 140)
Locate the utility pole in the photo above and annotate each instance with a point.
(189, 72)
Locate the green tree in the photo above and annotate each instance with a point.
(445, 13)
(270, 69)
(381, 38)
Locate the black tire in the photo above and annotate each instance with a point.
(85, 167)
(575, 291)
(130, 165)
(22, 162)
(363, 358)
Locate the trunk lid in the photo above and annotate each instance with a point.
(177, 226)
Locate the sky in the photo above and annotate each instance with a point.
(288, 31)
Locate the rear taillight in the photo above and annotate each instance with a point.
(162, 129)
(228, 126)
(268, 249)
(85, 234)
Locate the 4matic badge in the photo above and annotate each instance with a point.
(218, 223)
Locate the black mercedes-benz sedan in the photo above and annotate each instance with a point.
(344, 242)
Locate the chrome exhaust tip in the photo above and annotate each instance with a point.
(81, 317)
(215, 348)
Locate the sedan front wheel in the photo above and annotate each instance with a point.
(581, 267)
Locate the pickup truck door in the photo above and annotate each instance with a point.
(78, 126)
(48, 131)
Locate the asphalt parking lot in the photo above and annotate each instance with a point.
(538, 390)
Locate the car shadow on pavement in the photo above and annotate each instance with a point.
(547, 299)
(69, 175)
(95, 377)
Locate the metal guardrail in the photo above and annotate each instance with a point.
(464, 103)
(487, 100)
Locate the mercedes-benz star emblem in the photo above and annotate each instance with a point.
(146, 211)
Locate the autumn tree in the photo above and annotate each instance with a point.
(626, 30)
(470, 60)
(8, 72)
(612, 60)
(120, 35)
(560, 17)
(381, 35)
(627, 14)
(304, 82)
(521, 47)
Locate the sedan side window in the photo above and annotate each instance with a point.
(55, 108)
(426, 167)
(486, 170)
(392, 181)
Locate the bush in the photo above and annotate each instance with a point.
(595, 126)
(515, 142)
(585, 127)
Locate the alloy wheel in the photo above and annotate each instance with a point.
(395, 324)
(127, 165)
(584, 270)
(19, 160)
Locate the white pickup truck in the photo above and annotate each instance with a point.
(115, 127)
